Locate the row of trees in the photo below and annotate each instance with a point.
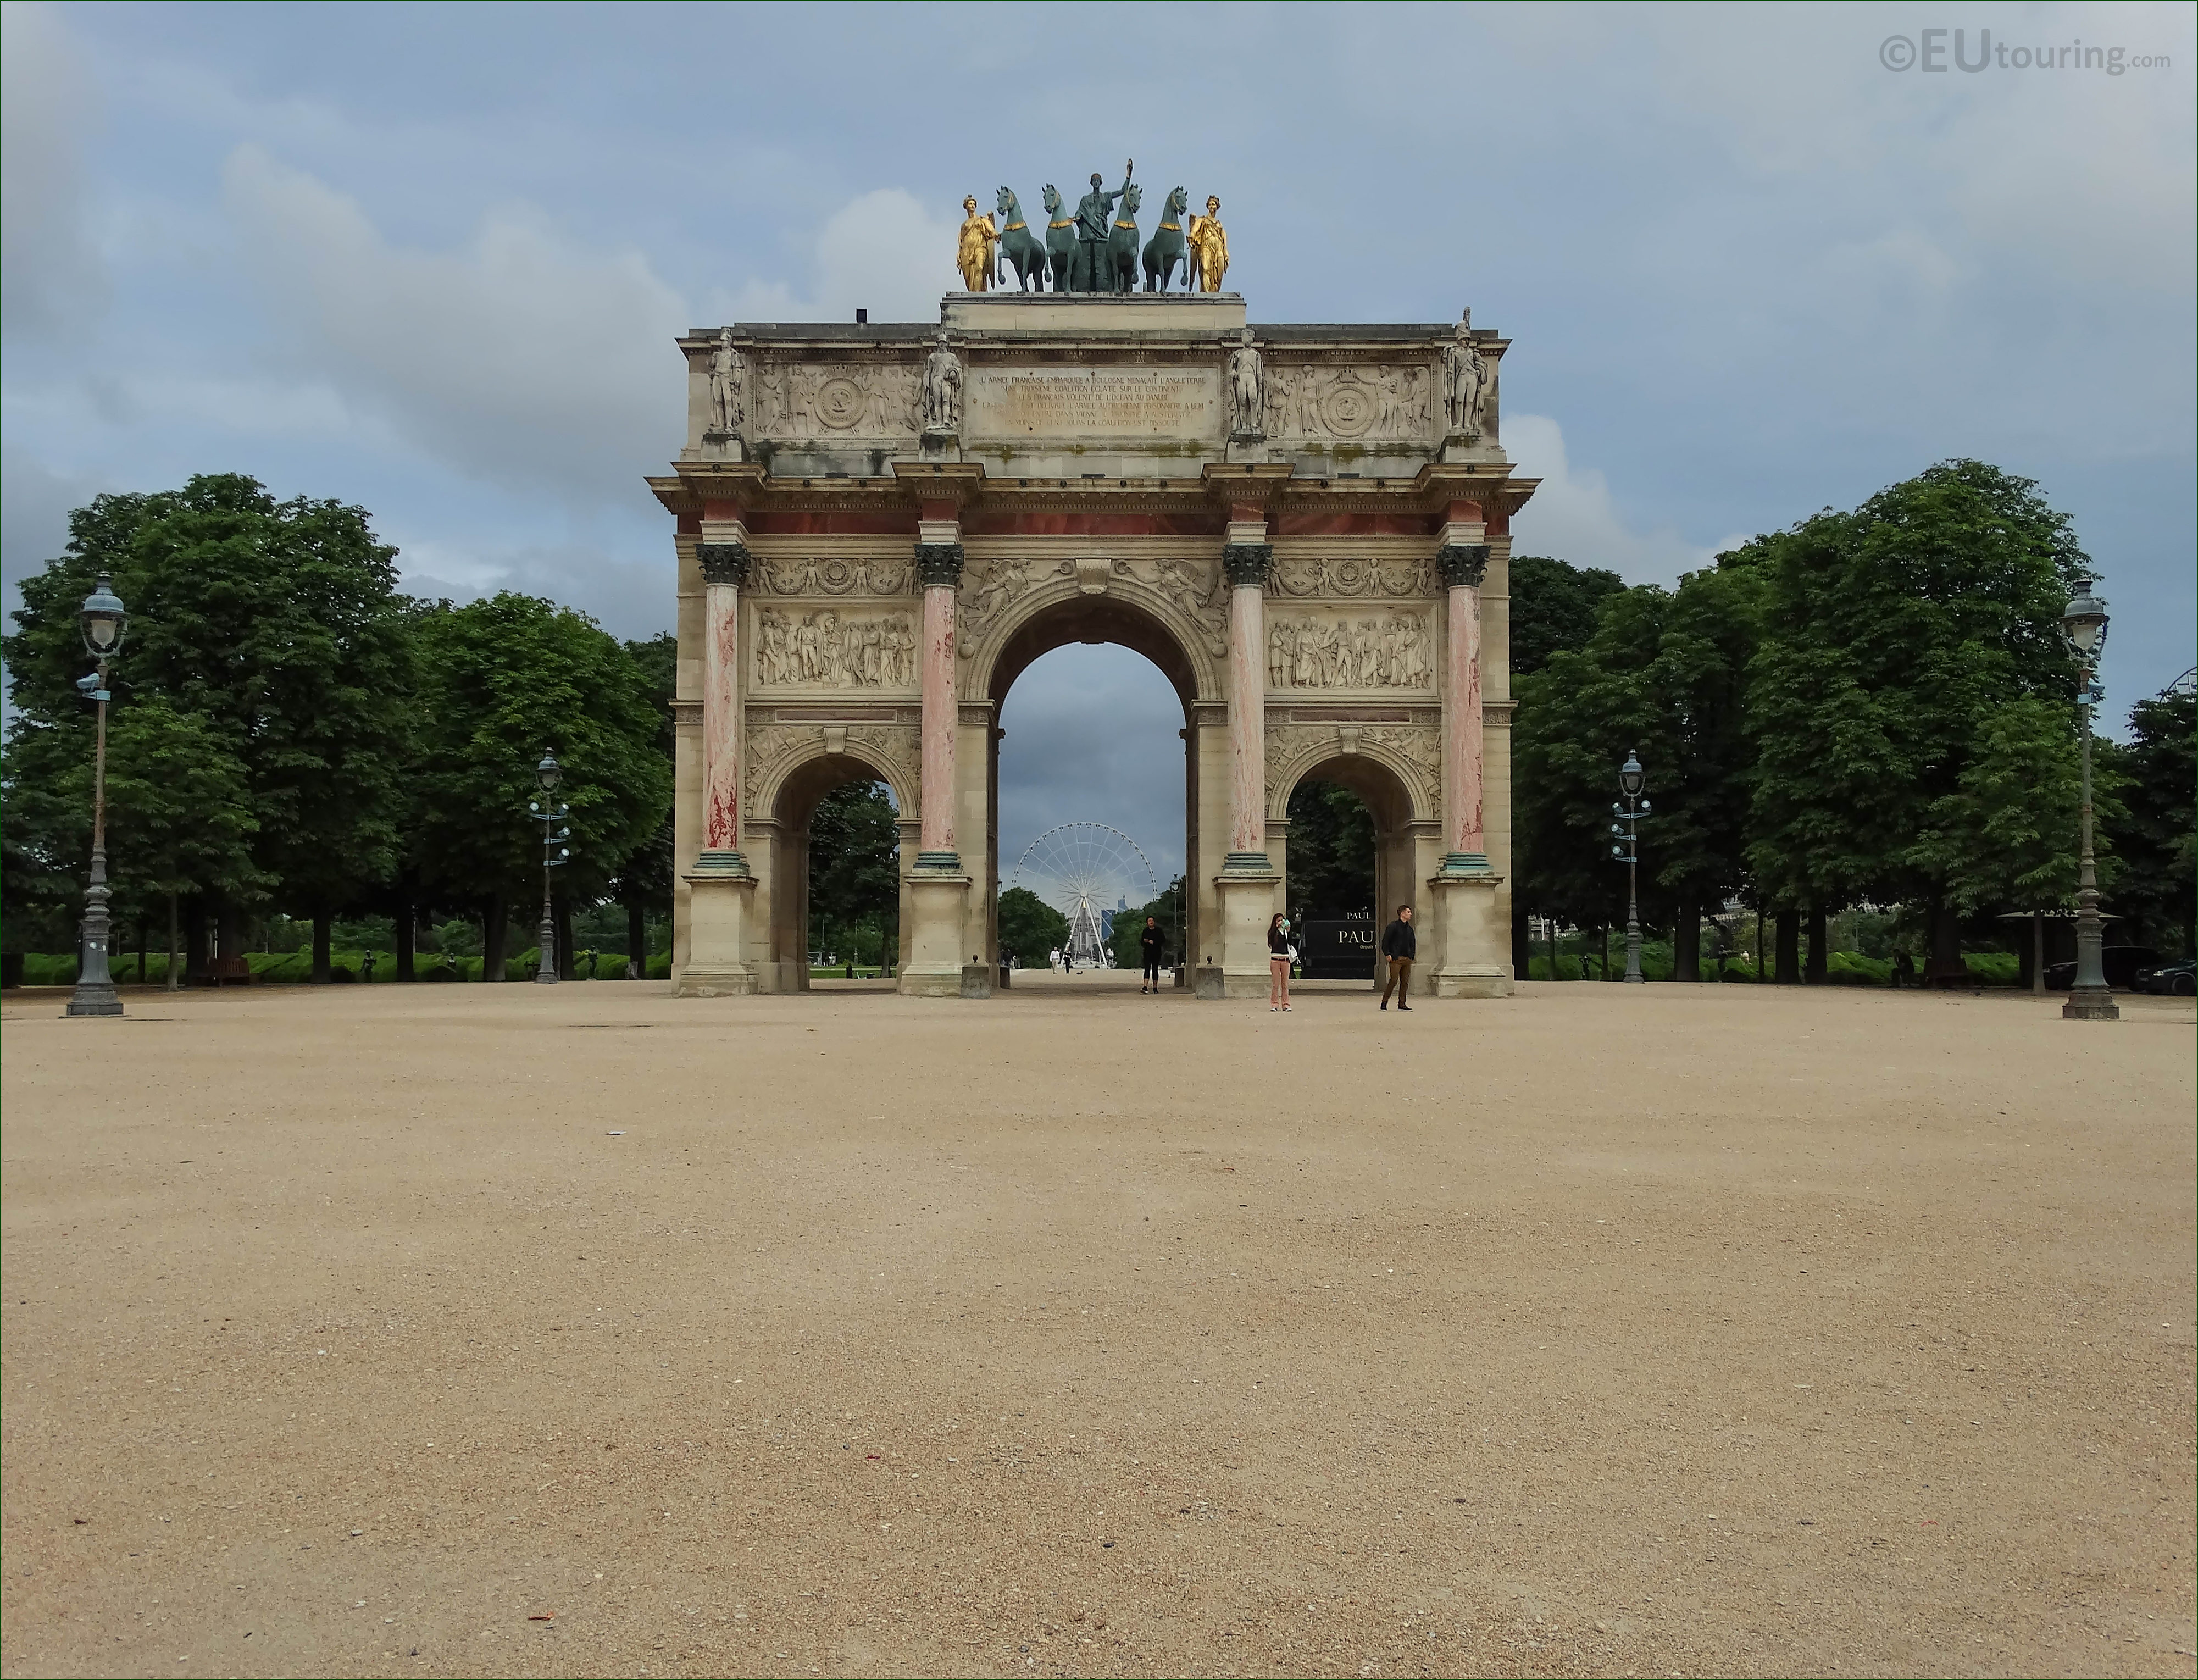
(1875, 707)
(291, 733)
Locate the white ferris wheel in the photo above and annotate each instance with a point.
(1087, 871)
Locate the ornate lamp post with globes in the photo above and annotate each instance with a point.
(102, 619)
(1631, 779)
(2084, 626)
(550, 813)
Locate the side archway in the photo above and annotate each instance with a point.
(787, 789)
(1404, 826)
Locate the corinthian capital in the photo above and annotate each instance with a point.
(1247, 563)
(722, 562)
(938, 564)
(1462, 563)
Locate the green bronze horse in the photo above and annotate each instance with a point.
(1121, 259)
(1019, 245)
(1166, 248)
(1059, 239)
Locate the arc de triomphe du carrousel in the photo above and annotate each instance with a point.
(881, 525)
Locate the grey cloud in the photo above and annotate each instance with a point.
(51, 279)
(1092, 737)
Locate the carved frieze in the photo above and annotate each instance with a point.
(1415, 753)
(1351, 404)
(771, 747)
(1394, 650)
(791, 401)
(1391, 579)
(815, 578)
(830, 649)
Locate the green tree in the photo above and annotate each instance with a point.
(1129, 926)
(2158, 773)
(1896, 638)
(1552, 607)
(644, 884)
(1331, 851)
(501, 681)
(276, 622)
(178, 813)
(854, 864)
(1030, 927)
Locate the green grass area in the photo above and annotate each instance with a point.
(1842, 967)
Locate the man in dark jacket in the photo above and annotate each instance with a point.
(1400, 947)
(1149, 941)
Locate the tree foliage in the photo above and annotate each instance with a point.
(501, 681)
(1552, 607)
(1130, 927)
(854, 858)
(1331, 851)
(1910, 670)
(1030, 927)
(2157, 773)
(275, 624)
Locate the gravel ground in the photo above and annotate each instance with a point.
(1683, 1330)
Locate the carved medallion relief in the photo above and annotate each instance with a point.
(792, 401)
(1351, 404)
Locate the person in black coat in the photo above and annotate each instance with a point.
(1400, 946)
(1149, 941)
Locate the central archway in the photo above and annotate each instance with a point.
(1092, 617)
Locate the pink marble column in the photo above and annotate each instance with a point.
(1247, 564)
(939, 565)
(724, 566)
(1463, 566)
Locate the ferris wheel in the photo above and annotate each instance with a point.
(1086, 871)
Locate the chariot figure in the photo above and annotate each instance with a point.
(1095, 227)
(726, 370)
(973, 254)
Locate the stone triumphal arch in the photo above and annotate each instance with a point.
(1306, 528)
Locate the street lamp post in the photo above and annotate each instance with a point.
(2084, 626)
(550, 813)
(102, 619)
(1631, 814)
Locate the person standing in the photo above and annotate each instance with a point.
(1280, 955)
(1400, 946)
(1149, 941)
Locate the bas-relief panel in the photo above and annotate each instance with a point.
(792, 400)
(835, 577)
(1191, 586)
(1352, 404)
(1345, 653)
(774, 747)
(835, 649)
(1417, 749)
(1348, 577)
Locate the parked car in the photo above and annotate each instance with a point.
(2168, 980)
(2121, 963)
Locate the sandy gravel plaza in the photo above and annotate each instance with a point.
(1670, 1330)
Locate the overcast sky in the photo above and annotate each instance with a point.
(432, 259)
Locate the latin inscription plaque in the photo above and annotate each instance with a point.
(1069, 403)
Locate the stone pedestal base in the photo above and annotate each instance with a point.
(2090, 1004)
(936, 899)
(976, 980)
(1473, 946)
(1247, 903)
(717, 912)
(1207, 985)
